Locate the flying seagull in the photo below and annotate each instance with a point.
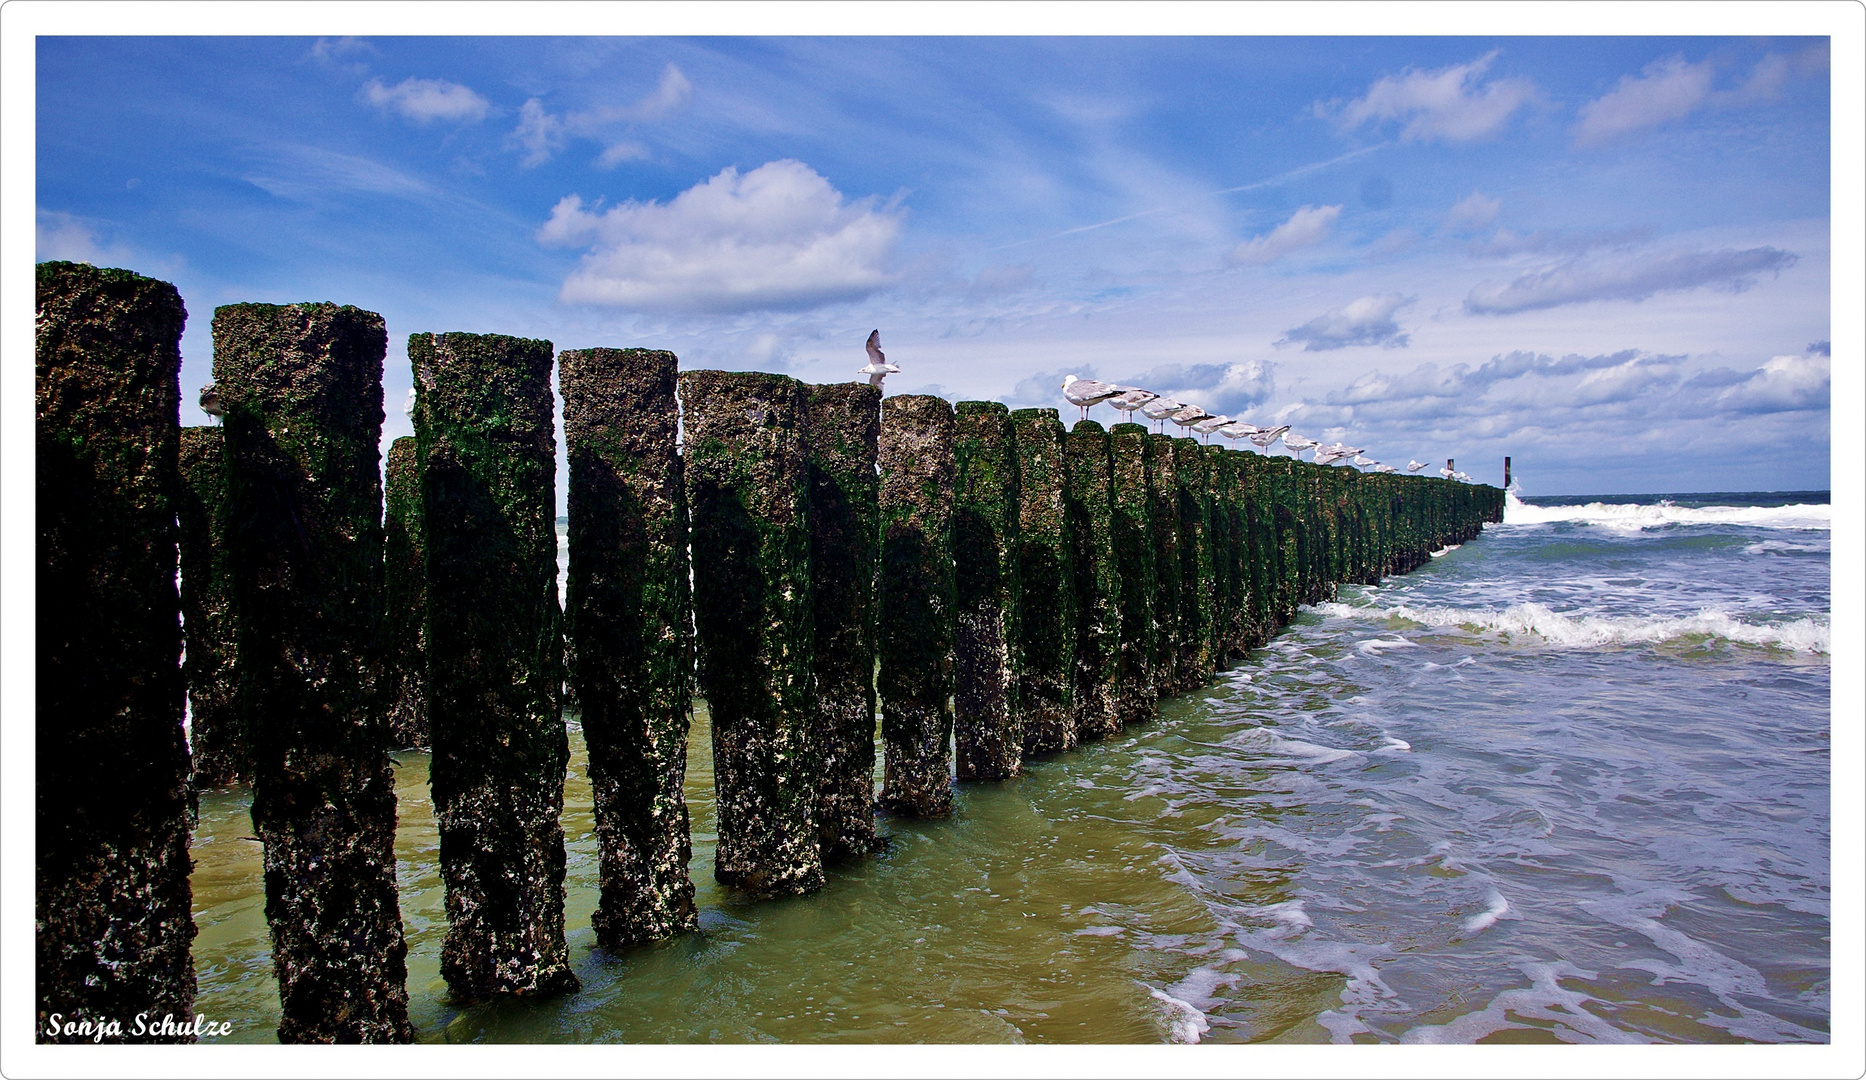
(878, 367)
(210, 402)
(1084, 393)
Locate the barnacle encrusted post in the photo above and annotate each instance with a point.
(917, 603)
(628, 620)
(1089, 506)
(301, 386)
(209, 659)
(404, 598)
(841, 441)
(748, 489)
(1193, 481)
(1137, 692)
(1043, 642)
(111, 894)
(487, 448)
(988, 738)
(1163, 510)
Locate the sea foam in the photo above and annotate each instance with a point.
(1635, 517)
(1810, 634)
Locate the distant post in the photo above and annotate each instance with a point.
(916, 624)
(210, 659)
(487, 444)
(988, 740)
(405, 598)
(1506, 472)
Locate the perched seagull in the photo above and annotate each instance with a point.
(878, 367)
(1159, 409)
(1267, 438)
(1210, 424)
(1414, 466)
(1238, 429)
(1364, 461)
(1189, 415)
(1446, 472)
(1297, 443)
(210, 402)
(1385, 469)
(408, 405)
(1083, 393)
(1131, 398)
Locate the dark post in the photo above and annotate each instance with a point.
(917, 602)
(111, 894)
(1089, 506)
(842, 438)
(1131, 525)
(988, 741)
(405, 598)
(301, 386)
(1043, 642)
(1506, 472)
(748, 487)
(486, 443)
(1195, 565)
(1163, 511)
(209, 661)
(628, 617)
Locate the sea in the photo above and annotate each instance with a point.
(1569, 782)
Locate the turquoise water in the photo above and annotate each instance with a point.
(1568, 782)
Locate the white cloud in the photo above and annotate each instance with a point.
(625, 150)
(59, 236)
(1627, 279)
(1783, 384)
(777, 237)
(1474, 212)
(542, 133)
(1307, 227)
(538, 132)
(1667, 90)
(1366, 321)
(1451, 103)
(424, 100)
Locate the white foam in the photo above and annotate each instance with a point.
(1810, 634)
(1444, 551)
(1100, 931)
(1635, 517)
(1770, 547)
(1186, 1023)
(1487, 918)
(1271, 744)
(1377, 646)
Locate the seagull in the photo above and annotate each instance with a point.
(1131, 398)
(1159, 409)
(1238, 429)
(408, 405)
(1364, 461)
(1210, 424)
(1084, 393)
(1297, 444)
(1267, 437)
(1414, 466)
(1189, 415)
(1446, 472)
(1385, 469)
(210, 402)
(878, 367)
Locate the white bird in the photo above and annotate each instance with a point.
(1268, 436)
(1238, 429)
(1364, 461)
(408, 403)
(1159, 409)
(1446, 472)
(1210, 424)
(1086, 392)
(878, 367)
(1298, 443)
(210, 401)
(1188, 416)
(1131, 398)
(1414, 466)
(1385, 469)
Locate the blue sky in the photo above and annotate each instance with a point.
(1605, 257)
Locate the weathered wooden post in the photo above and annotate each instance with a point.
(841, 436)
(1043, 645)
(1131, 523)
(1258, 543)
(988, 739)
(917, 603)
(748, 489)
(1231, 602)
(1163, 510)
(628, 617)
(404, 598)
(301, 390)
(486, 443)
(111, 891)
(210, 662)
(1089, 506)
(1195, 565)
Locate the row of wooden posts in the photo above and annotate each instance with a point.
(1002, 588)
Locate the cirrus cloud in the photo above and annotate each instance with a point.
(777, 237)
(1451, 104)
(1307, 227)
(1628, 279)
(1366, 321)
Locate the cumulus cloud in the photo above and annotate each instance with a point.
(59, 236)
(1367, 321)
(1629, 279)
(1671, 89)
(1783, 384)
(778, 237)
(1307, 227)
(1473, 212)
(541, 133)
(425, 100)
(1452, 104)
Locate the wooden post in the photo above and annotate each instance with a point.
(210, 658)
(1089, 506)
(1137, 691)
(1043, 648)
(405, 598)
(988, 738)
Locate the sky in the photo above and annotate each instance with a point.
(1606, 257)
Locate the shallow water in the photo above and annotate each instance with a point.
(1567, 782)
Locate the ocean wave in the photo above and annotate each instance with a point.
(1810, 634)
(1637, 517)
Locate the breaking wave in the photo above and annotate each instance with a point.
(1636, 517)
(1809, 634)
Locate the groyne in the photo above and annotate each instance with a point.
(978, 587)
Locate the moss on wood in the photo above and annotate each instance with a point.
(988, 738)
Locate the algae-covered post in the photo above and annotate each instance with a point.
(628, 621)
(209, 659)
(841, 437)
(916, 624)
(1231, 603)
(301, 390)
(1043, 641)
(1131, 526)
(111, 893)
(1193, 480)
(988, 740)
(486, 442)
(404, 598)
(1163, 512)
(1089, 507)
(748, 488)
